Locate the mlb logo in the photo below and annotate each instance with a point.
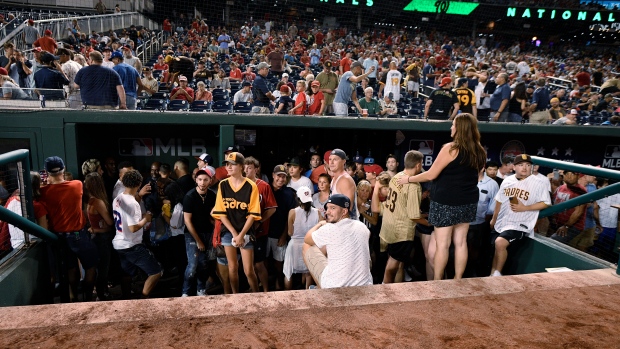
(135, 147)
(426, 147)
(612, 151)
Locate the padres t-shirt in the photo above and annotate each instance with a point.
(237, 203)
(529, 191)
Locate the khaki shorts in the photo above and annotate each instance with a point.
(540, 117)
(316, 262)
(585, 239)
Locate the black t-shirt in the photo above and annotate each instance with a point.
(186, 183)
(3, 61)
(285, 198)
(465, 97)
(200, 209)
(288, 102)
(443, 102)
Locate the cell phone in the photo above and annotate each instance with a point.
(43, 175)
(514, 200)
(556, 174)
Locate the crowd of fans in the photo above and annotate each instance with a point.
(181, 221)
(285, 69)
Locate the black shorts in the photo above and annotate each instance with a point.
(475, 234)
(401, 251)
(260, 249)
(512, 236)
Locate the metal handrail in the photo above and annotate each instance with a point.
(26, 225)
(582, 199)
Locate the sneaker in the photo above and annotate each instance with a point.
(313, 287)
(184, 295)
(201, 293)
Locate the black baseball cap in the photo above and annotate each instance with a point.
(339, 200)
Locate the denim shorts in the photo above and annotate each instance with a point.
(138, 257)
(227, 241)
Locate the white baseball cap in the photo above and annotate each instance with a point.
(304, 194)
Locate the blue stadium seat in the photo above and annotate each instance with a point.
(201, 106)
(160, 95)
(242, 107)
(178, 104)
(220, 95)
(221, 106)
(155, 104)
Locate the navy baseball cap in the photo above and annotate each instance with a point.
(116, 54)
(358, 159)
(206, 158)
(340, 153)
(54, 164)
(339, 200)
(369, 161)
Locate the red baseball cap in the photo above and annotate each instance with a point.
(374, 168)
(445, 81)
(326, 155)
(3, 71)
(47, 32)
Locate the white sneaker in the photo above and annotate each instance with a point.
(201, 293)
(184, 295)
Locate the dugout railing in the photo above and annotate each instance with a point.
(16, 182)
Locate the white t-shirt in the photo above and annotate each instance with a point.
(348, 256)
(126, 212)
(607, 214)
(392, 84)
(177, 221)
(303, 180)
(529, 191)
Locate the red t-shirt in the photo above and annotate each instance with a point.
(236, 74)
(180, 96)
(63, 202)
(221, 173)
(158, 66)
(301, 98)
(583, 78)
(267, 201)
(564, 194)
(314, 177)
(345, 63)
(316, 99)
(46, 43)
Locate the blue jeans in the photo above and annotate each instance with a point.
(196, 263)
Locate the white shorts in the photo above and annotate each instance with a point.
(277, 251)
(340, 109)
(413, 86)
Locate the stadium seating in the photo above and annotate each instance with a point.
(179, 104)
(155, 104)
(221, 106)
(200, 106)
(242, 107)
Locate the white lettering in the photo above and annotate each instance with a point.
(428, 161)
(198, 147)
(180, 149)
(161, 148)
(611, 163)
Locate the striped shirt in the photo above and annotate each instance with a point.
(607, 214)
(529, 191)
(399, 210)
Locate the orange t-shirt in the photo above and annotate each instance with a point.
(63, 202)
(301, 98)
